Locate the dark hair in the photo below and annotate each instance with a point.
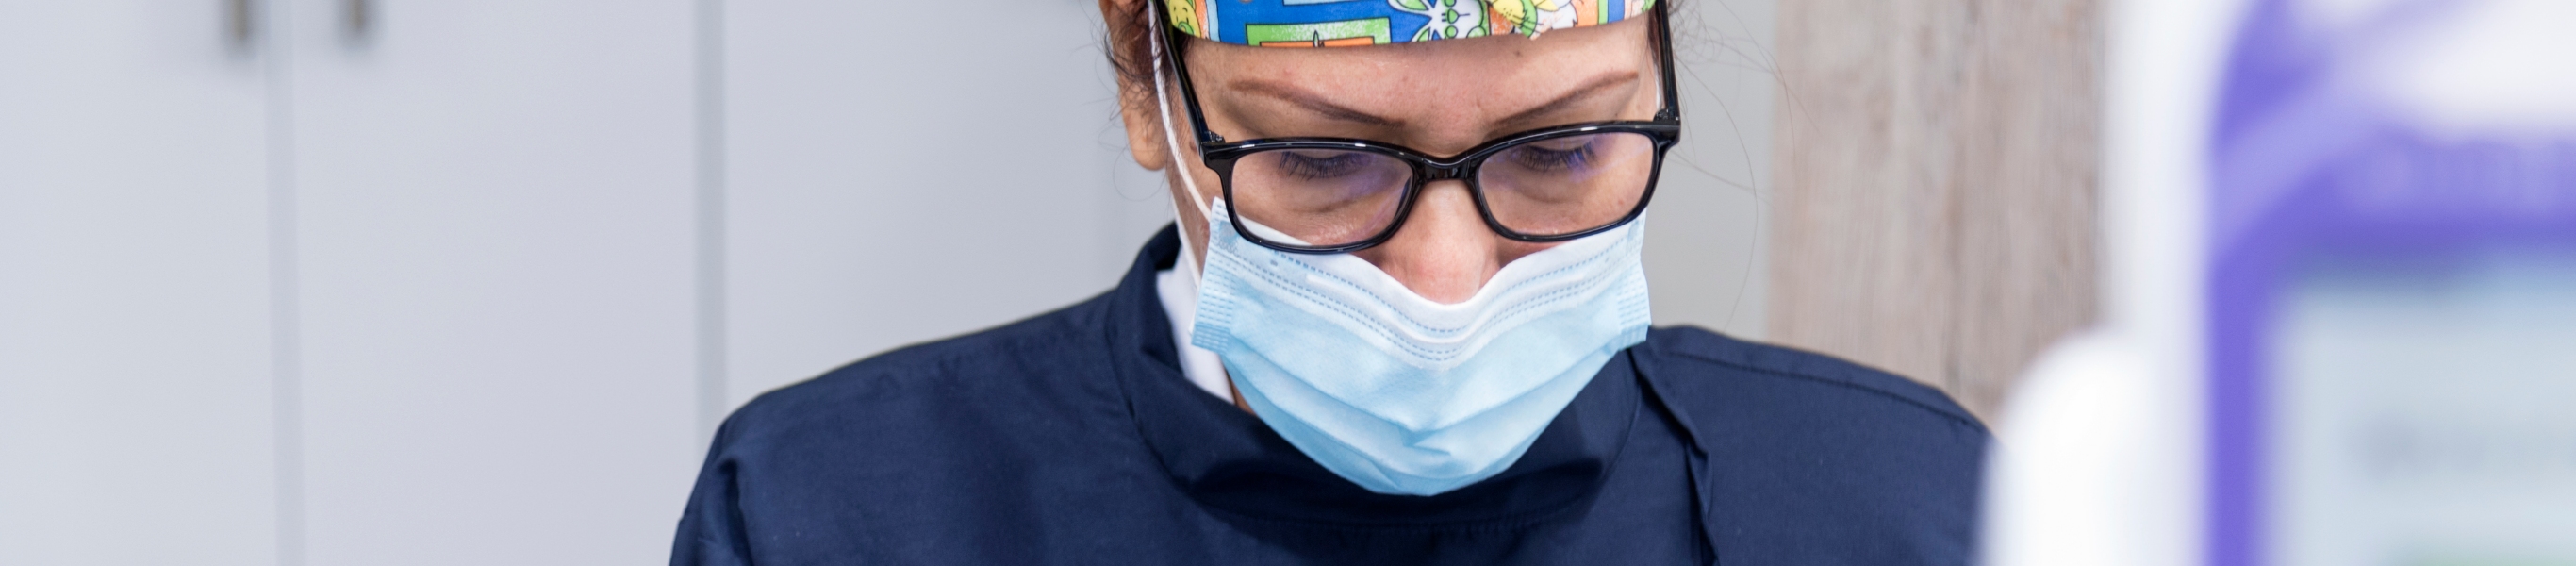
(1129, 54)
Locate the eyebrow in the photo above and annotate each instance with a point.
(1319, 105)
(1309, 101)
(1598, 84)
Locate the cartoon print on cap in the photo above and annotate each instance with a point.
(1449, 18)
(1185, 16)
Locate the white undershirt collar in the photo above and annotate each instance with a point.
(1180, 295)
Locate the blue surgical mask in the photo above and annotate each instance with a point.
(1401, 394)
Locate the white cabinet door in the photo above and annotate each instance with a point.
(898, 172)
(495, 205)
(135, 378)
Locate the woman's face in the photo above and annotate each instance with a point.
(1440, 97)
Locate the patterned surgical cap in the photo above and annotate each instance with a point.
(1336, 23)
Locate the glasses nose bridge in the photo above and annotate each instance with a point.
(1435, 170)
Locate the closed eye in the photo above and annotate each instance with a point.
(1313, 167)
(1541, 157)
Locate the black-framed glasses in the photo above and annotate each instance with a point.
(1333, 195)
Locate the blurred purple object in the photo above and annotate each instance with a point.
(2315, 163)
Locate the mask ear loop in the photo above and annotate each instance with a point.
(1172, 144)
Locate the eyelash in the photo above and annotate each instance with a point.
(1545, 159)
(1314, 168)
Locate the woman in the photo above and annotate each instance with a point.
(1401, 319)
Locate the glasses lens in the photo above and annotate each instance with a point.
(1564, 185)
(1320, 197)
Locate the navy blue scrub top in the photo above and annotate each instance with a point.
(1072, 438)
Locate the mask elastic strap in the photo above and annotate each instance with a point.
(1172, 143)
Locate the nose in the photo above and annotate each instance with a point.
(1444, 252)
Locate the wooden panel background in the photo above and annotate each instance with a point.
(1936, 174)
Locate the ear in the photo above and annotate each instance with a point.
(1144, 126)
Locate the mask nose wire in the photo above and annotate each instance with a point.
(1172, 144)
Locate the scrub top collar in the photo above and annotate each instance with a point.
(1230, 462)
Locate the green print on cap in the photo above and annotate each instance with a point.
(1371, 31)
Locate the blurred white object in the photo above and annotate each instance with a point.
(2094, 462)
(2097, 457)
(2496, 66)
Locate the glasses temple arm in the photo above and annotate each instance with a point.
(1672, 106)
(1172, 43)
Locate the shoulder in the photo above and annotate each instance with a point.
(811, 468)
(1004, 369)
(1822, 457)
(1741, 392)
(1700, 360)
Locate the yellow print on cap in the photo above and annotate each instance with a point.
(1533, 17)
(1185, 16)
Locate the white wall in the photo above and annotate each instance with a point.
(493, 316)
(471, 284)
(1706, 252)
(912, 183)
